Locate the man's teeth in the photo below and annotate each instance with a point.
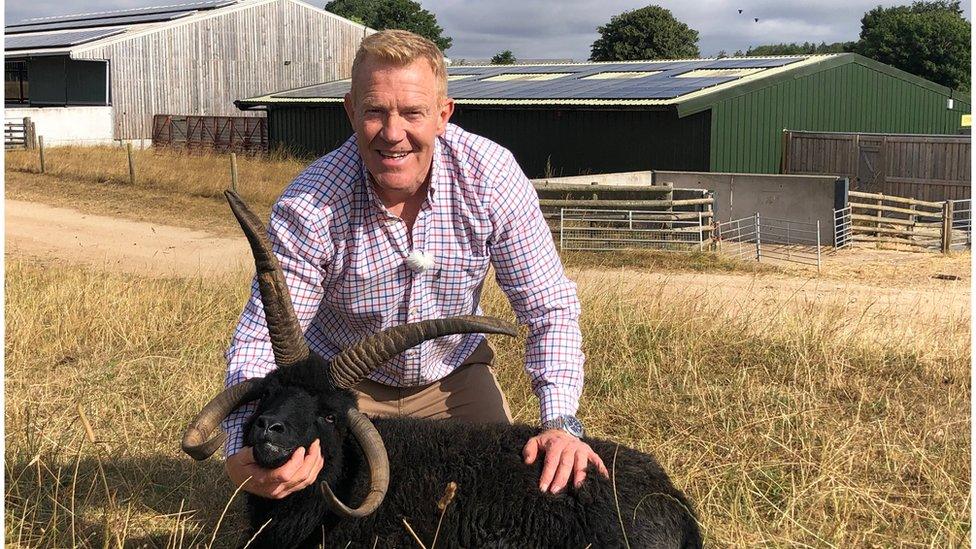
(394, 155)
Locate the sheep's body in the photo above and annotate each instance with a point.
(498, 502)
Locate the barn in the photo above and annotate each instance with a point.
(700, 115)
(102, 76)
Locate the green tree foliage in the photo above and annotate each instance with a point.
(503, 58)
(800, 49)
(646, 33)
(928, 39)
(392, 14)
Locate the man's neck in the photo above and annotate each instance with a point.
(405, 205)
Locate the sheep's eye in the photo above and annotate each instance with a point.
(330, 418)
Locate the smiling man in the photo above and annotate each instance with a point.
(400, 224)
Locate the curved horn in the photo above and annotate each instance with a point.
(286, 336)
(379, 469)
(197, 442)
(354, 363)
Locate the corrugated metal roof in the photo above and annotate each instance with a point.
(56, 39)
(597, 84)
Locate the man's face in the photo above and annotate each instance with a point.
(397, 115)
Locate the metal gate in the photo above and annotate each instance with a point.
(842, 228)
(608, 230)
(770, 238)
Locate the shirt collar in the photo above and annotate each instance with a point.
(438, 177)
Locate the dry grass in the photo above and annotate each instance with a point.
(814, 428)
(170, 188)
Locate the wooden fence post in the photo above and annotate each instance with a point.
(40, 143)
(946, 226)
(233, 172)
(132, 165)
(877, 224)
(28, 133)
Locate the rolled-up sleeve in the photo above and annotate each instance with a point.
(529, 271)
(299, 238)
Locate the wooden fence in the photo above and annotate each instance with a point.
(884, 219)
(240, 134)
(18, 134)
(930, 168)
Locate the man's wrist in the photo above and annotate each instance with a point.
(567, 423)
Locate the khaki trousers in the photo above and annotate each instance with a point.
(470, 394)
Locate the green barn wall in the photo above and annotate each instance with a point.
(746, 131)
(548, 141)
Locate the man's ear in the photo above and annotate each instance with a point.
(447, 109)
(347, 102)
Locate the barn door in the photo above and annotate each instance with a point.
(870, 173)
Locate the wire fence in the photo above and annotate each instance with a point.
(962, 227)
(609, 230)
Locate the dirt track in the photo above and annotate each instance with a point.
(62, 234)
(47, 232)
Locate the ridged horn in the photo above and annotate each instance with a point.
(197, 440)
(350, 366)
(379, 469)
(287, 340)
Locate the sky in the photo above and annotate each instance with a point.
(565, 29)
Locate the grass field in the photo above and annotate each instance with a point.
(813, 425)
(798, 433)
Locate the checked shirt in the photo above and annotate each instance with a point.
(343, 256)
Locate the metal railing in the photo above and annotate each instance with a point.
(962, 227)
(768, 238)
(608, 230)
(842, 228)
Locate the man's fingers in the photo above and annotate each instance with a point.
(567, 458)
(530, 451)
(598, 461)
(287, 471)
(301, 478)
(579, 469)
(552, 455)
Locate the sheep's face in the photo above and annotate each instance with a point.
(290, 416)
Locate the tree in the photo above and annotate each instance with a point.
(927, 39)
(646, 33)
(805, 48)
(504, 58)
(392, 14)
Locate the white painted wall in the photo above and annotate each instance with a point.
(83, 126)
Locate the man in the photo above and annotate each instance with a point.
(399, 225)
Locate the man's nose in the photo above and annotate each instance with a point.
(393, 129)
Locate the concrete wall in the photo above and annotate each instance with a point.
(84, 126)
(803, 198)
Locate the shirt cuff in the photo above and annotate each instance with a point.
(556, 401)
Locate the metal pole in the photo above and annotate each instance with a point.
(758, 244)
(132, 164)
(818, 245)
(562, 222)
(701, 234)
(40, 146)
(233, 172)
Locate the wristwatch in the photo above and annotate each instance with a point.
(567, 423)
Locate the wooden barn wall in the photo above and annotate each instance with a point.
(546, 142)
(747, 130)
(201, 67)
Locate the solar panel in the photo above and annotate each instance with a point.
(661, 81)
(192, 6)
(90, 23)
(56, 40)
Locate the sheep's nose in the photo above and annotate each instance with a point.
(266, 425)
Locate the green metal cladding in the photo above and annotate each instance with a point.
(854, 95)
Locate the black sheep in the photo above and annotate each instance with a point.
(399, 468)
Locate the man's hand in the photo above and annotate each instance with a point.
(565, 455)
(299, 472)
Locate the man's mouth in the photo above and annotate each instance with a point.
(394, 154)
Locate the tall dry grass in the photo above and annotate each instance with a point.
(818, 427)
(261, 179)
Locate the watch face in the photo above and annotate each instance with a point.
(574, 426)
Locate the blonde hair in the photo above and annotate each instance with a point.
(401, 48)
